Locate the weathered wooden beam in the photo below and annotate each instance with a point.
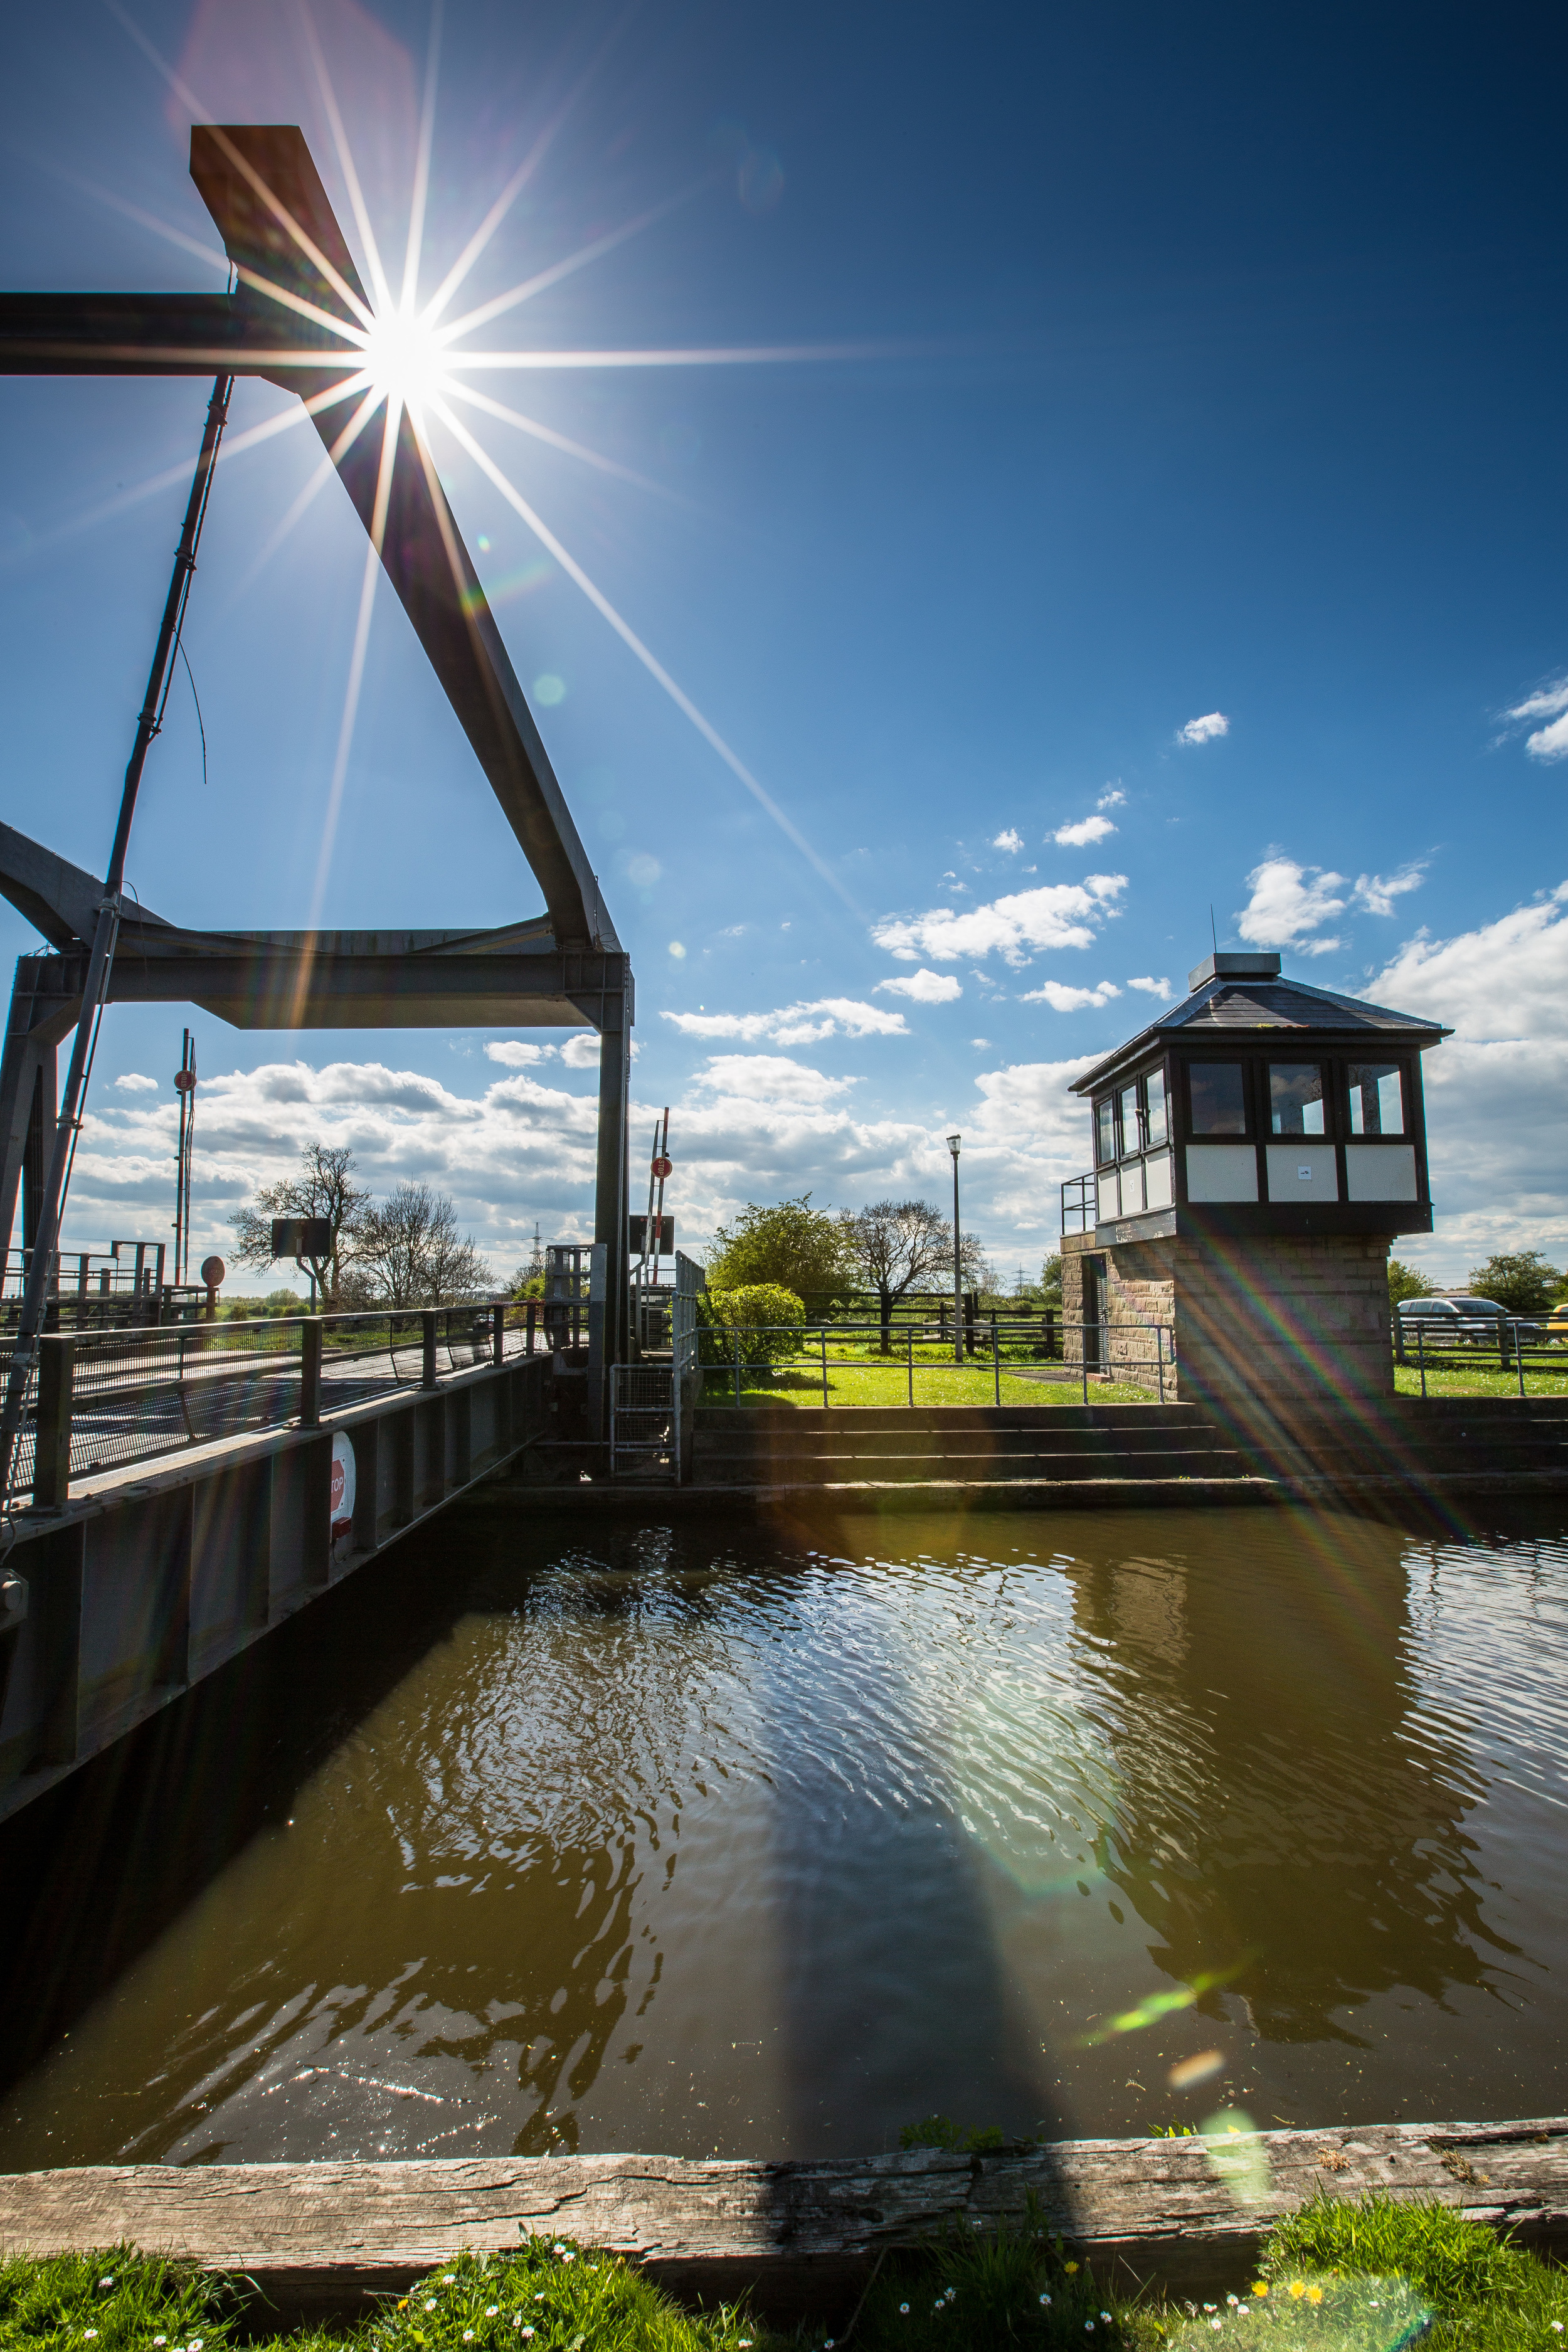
(799, 2236)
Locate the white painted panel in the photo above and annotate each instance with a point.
(1110, 1197)
(1132, 1188)
(1303, 1170)
(1380, 1171)
(1222, 1171)
(1157, 1181)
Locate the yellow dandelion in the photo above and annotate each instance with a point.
(1070, 2268)
(1314, 2294)
(1260, 2288)
(1297, 2290)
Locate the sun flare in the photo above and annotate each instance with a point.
(404, 358)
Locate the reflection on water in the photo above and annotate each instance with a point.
(712, 1837)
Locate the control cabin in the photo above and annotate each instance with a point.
(1261, 1106)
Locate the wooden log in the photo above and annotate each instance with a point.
(1186, 2214)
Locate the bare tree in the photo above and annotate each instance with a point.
(411, 1250)
(898, 1244)
(324, 1187)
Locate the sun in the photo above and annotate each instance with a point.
(404, 358)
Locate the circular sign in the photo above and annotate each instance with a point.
(213, 1271)
(663, 1168)
(341, 1507)
(185, 1082)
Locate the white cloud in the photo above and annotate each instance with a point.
(1495, 1090)
(1057, 914)
(801, 1025)
(1112, 797)
(1508, 979)
(516, 1054)
(1011, 841)
(980, 1043)
(1087, 829)
(133, 1083)
(1070, 1000)
(582, 1052)
(924, 987)
(1288, 900)
(769, 1079)
(1205, 730)
(1552, 702)
(1160, 988)
(1378, 896)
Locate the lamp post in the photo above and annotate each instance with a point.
(952, 1143)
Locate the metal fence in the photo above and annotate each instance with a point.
(98, 1401)
(1515, 1344)
(1141, 1354)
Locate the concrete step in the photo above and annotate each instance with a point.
(974, 1469)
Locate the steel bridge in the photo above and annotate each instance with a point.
(562, 967)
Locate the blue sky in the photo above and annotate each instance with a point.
(1219, 379)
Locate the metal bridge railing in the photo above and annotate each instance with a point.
(100, 1400)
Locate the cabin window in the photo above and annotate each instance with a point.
(1218, 1097)
(1105, 1129)
(1158, 1119)
(1377, 1099)
(1131, 1139)
(1295, 1098)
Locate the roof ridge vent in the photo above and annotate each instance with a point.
(1232, 967)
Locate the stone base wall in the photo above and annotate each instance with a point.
(1266, 1318)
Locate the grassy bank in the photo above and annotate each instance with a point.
(879, 1381)
(1368, 2276)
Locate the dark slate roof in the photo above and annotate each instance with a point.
(1261, 1006)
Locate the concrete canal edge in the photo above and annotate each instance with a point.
(1184, 2215)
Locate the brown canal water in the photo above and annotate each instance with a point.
(720, 1838)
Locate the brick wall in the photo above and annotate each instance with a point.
(1266, 1318)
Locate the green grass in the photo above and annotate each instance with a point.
(1481, 1381)
(872, 1379)
(1368, 2277)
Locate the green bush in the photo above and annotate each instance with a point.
(791, 1243)
(744, 1314)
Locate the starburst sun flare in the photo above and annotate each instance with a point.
(404, 357)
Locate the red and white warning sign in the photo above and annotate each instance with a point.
(342, 1509)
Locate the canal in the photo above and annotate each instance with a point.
(720, 1838)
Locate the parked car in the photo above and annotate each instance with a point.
(1557, 1324)
(1466, 1322)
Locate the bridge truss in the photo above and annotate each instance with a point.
(564, 966)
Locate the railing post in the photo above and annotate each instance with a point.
(52, 1435)
(824, 1338)
(498, 1334)
(310, 1372)
(995, 1361)
(428, 1367)
(1519, 1355)
(1421, 1352)
(737, 1356)
(1051, 1333)
(910, 1342)
(1083, 1357)
(531, 1322)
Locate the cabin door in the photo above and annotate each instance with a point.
(1096, 1315)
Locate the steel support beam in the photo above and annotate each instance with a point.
(264, 192)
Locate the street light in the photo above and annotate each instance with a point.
(952, 1143)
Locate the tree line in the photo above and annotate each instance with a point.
(888, 1247)
(404, 1251)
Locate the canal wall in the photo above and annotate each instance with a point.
(141, 1585)
(800, 2238)
(1077, 1457)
